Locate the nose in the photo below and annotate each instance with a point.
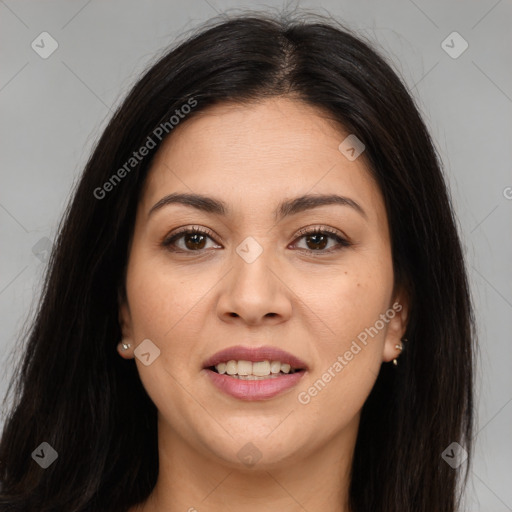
(255, 293)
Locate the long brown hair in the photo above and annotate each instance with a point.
(74, 392)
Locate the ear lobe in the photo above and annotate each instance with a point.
(125, 323)
(398, 315)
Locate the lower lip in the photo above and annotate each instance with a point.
(254, 389)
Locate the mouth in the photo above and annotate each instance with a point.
(257, 370)
(254, 373)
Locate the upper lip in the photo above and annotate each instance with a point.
(254, 354)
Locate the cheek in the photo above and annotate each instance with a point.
(167, 306)
(160, 297)
(350, 299)
(349, 352)
(162, 307)
(349, 357)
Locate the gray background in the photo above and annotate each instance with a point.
(52, 110)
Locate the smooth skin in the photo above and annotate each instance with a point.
(203, 297)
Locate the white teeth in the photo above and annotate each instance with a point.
(248, 369)
(231, 367)
(285, 368)
(260, 369)
(244, 368)
(254, 377)
(275, 366)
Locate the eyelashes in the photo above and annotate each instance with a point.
(199, 235)
(326, 233)
(170, 241)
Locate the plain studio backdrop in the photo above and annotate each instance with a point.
(56, 96)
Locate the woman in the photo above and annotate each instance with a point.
(257, 299)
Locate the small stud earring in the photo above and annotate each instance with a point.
(400, 347)
(125, 346)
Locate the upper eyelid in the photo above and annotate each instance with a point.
(303, 231)
(322, 229)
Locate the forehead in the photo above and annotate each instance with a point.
(254, 155)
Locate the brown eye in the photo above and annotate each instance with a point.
(194, 240)
(317, 240)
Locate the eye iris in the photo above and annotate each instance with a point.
(317, 244)
(194, 237)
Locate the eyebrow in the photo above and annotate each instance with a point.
(285, 209)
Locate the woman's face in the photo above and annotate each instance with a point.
(249, 281)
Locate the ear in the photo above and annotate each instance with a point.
(125, 323)
(397, 314)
